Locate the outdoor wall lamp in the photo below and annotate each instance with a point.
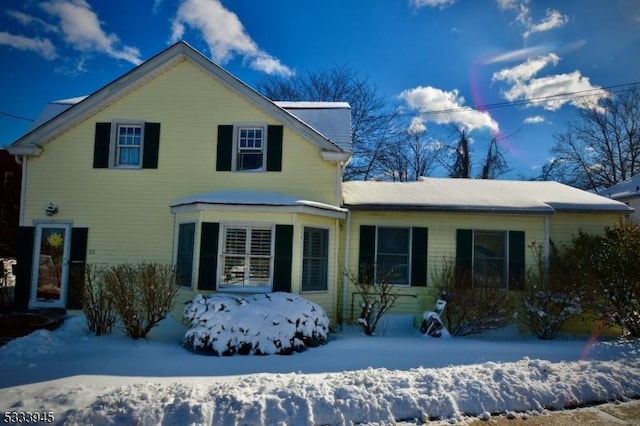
(51, 209)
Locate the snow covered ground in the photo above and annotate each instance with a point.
(400, 376)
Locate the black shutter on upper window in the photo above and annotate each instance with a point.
(101, 146)
(274, 148)
(464, 258)
(367, 255)
(419, 240)
(208, 268)
(24, 264)
(283, 258)
(224, 149)
(516, 260)
(151, 145)
(77, 261)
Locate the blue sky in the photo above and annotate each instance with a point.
(424, 55)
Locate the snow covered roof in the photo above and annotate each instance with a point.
(53, 109)
(255, 199)
(630, 188)
(331, 119)
(475, 195)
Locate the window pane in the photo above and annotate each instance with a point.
(261, 242)
(235, 240)
(489, 259)
(129, 156)
(392, 257)
(393, 240)
(315, 259)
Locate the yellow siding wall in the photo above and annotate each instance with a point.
(128, 210)
(442, 243)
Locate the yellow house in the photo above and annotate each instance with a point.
(179, 162)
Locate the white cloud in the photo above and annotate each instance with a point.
(437, 106)
(432, 3)
(224, 33)
(28, 20)
(534, 120)
(526, 70)
(553, 19)
(550, 92)
(82, 30)
(43, 47)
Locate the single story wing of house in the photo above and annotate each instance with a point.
(628, 192)
(179, 162)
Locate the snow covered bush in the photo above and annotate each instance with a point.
(470, 309)
(551, 297)
(378, 296)
(142, 294)
(266, 324)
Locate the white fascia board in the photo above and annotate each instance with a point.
(334, 156)
(27, 149)
(337, 213)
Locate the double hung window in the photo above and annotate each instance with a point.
(247, 256)
(250, 148)
(128, 145)
(315, 259)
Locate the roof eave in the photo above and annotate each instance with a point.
(27, 149)
(450, 209)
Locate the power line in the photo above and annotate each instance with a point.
(532, 101)
(16, 116)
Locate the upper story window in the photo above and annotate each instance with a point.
(250, 148)
(128, 145)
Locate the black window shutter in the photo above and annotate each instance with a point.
(283, 258)
(224, 150)
(101, 146)
(464, 258)
(24, 264)
(274, 148)
(151, 145)
(184, 259)
(419, 241)
(77, 262)
(208, 256)
(516, 260)
(367, 255)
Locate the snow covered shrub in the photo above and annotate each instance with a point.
(613, 268)
(551, 296)
(471, 309)
(142, 294)
(378, 296)
(97, 305)
(276, 323)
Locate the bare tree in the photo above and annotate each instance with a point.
(409, 155)
(494, 164)
(371, 117)
(602, 148)
(461, 167)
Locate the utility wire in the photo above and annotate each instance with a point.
(16, 116)
(532, 101)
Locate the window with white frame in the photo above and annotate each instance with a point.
(393, 251)
(246, 256)
(128, 145)
(490, 258)
(250, 141)
(315, 259)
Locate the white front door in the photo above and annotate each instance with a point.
(50, 273)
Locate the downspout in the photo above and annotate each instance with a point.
(23, 187)
(345, 279)
(546, 247)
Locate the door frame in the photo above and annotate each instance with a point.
(61, 302)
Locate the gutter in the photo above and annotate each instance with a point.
(23, 186)
(345, 280)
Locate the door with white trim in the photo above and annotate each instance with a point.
(50, 273)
